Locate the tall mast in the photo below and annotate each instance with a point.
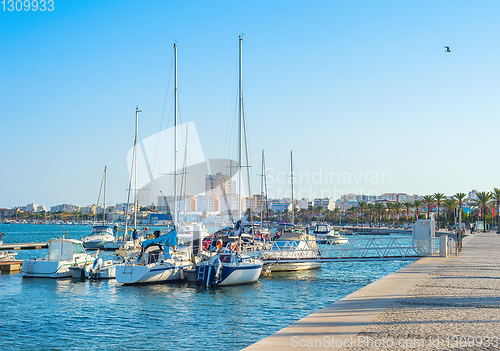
(175, 135)
(262, 194)
(104, 204)
(135, 165)
(291, 171)
(240, 109)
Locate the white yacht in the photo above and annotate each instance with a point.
(292, 244)
(326, 235)
(99, 236)
(63, 254)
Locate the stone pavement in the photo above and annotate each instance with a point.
(432, 304)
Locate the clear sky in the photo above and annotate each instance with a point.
(363, 92)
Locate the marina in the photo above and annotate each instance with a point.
(104, 312)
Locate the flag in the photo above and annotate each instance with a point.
(479, 212)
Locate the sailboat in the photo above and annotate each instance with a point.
(228, 266)
(292, 243)
(100, 234)
(159, 259)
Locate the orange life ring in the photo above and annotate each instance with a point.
(234, 246)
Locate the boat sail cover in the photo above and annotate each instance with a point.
(167, 239)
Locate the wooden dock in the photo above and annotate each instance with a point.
(11, 266)
(23, 246)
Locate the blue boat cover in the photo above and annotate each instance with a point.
(168, 239)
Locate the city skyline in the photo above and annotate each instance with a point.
(364, 91)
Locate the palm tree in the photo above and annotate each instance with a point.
(408, 205)
(417, 204)
(310, 210)
(371, 210)
(495, 195)
(429, 201)
(398, 206)
(379, 208)
(389, 207)
(362, 207)
(336, 213)
(482, 202)
(319, 211)
(449, 204)
(439, 197)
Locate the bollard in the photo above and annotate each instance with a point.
(443, 246)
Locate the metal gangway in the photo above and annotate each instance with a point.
(356, 249)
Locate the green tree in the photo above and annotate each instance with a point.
(449, 204)
(429, 201)
(438, 197)
(408, 206)
(379, 208)
(495, 195)
(370, 208)
(482, 202)
(389, 207)
(417, 204)
(398, 207)
(362, 208)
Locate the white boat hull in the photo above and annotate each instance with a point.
(44, 269)
(151, 273)
(242, 276)
(295, 266)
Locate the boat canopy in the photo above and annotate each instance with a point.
(168, 239)
(63, 250)
(102, 229)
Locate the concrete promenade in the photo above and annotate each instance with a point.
(432, 304)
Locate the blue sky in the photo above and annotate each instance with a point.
(361, 91)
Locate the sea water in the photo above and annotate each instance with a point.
(67, 314)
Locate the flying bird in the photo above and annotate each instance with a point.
(447, 49)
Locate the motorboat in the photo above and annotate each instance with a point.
(99, 236)
(292, 244)
(324, 234)
(159, 260)
(99, 269)
(62, 254)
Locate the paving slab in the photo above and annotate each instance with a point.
(434, 303)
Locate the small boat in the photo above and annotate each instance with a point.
(99, 269)
(159, 260)
(99, 236)
(228, 266)
(292, 244)
(63, 254)
(326, 235)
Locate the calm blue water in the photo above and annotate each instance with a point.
(67, 314)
